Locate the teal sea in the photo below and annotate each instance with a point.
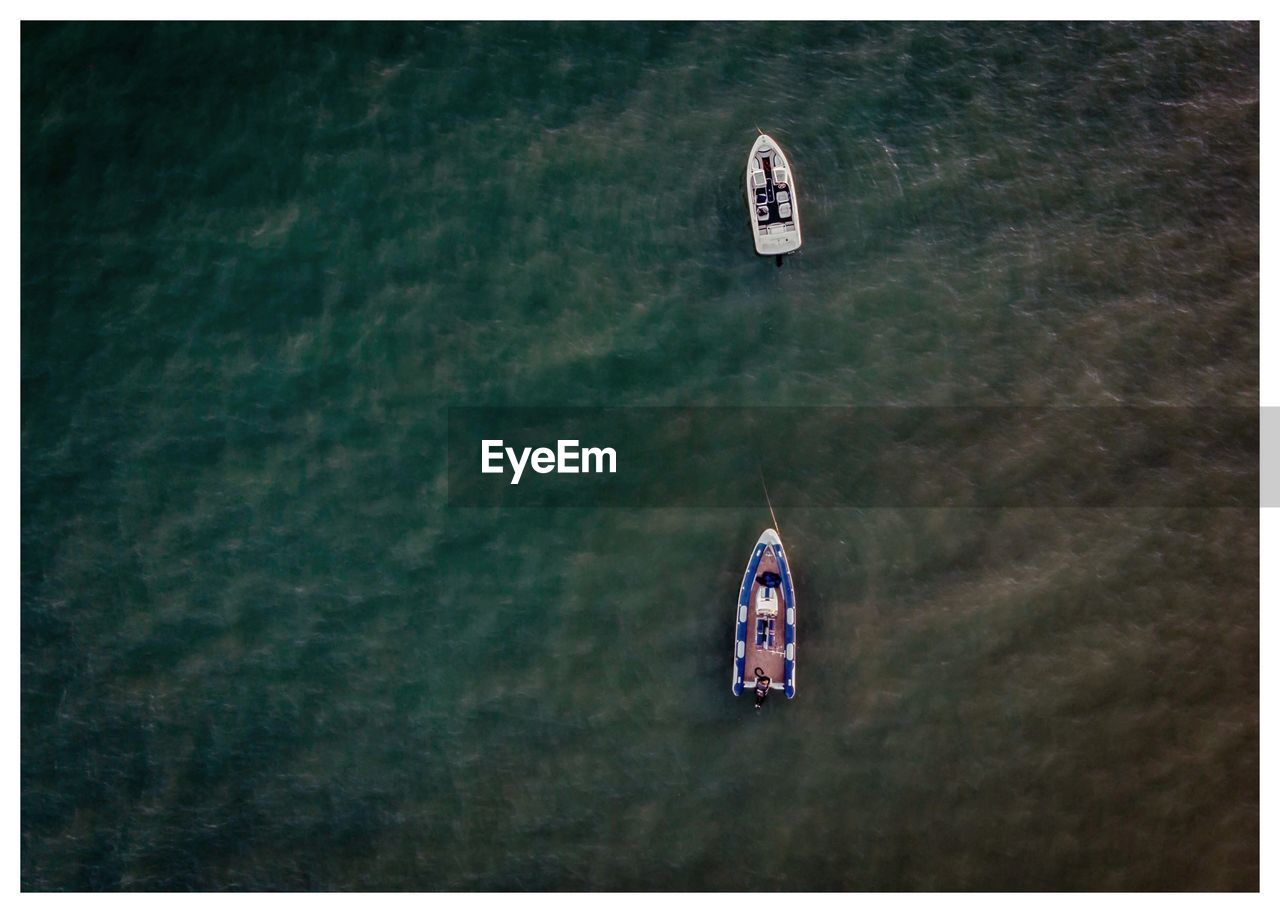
(262, 650)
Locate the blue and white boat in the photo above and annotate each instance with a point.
(764, 643)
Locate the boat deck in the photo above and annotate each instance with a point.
(770, 659)
(767, 196)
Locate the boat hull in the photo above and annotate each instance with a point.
(772, 205)
(756, 642)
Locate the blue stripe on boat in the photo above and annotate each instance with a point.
(788, 665)
(740, 635)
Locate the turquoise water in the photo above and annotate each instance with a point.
(260, 649)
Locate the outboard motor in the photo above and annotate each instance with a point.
(762, 687)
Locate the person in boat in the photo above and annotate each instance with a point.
(762, 686)
(769, 579)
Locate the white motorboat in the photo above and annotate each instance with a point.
(771, 199)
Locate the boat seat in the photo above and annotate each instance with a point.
(784, 197)
(757, 179)
(767, 602)
(784, 210)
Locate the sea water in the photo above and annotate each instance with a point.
(261, 649)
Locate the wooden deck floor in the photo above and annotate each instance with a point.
(771, 661)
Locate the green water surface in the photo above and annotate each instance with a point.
(259, 263)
